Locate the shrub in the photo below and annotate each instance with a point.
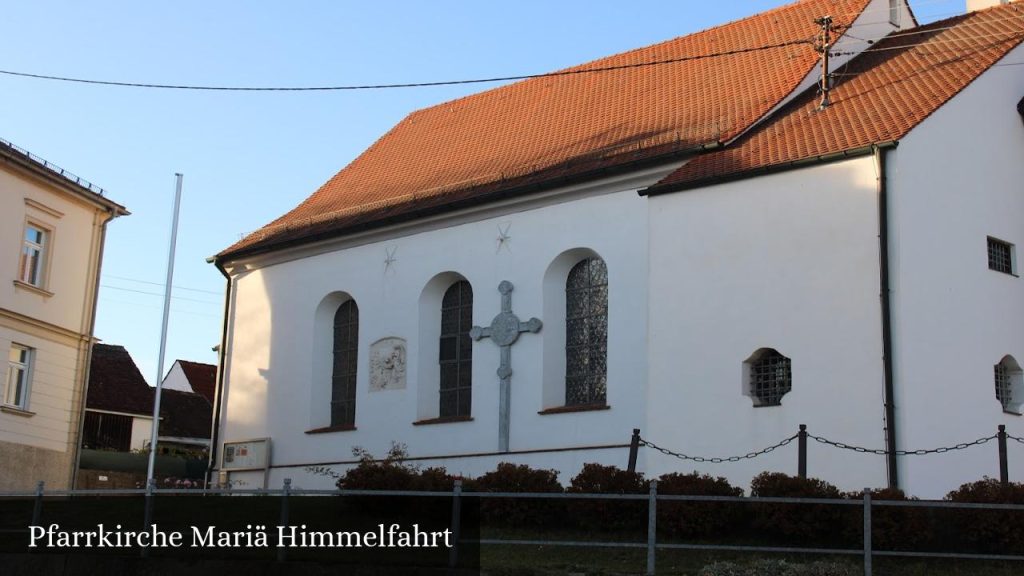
(991, 531)
(609, 515)
(517, 512)
(892, 528)
(390, 473)
(697, 519)
(808, 523)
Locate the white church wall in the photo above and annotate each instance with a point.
(273, 354)
(786, 261)
(956, 180)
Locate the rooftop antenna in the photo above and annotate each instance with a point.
(826, 46)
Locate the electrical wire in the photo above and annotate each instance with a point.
(176, 287)
(158, 294)
(573, 72)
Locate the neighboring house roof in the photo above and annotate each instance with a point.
(47, 170)
(115, 383)
(202, 377)
(550, 131)
(184, 415)
(878, 97)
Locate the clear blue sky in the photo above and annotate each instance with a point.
(249, 157)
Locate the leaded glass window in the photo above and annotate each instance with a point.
(456, 357)
(1004, 389)
(771, 377)
(346, 358)
(1000, 256)
(586, 333)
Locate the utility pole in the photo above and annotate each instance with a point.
(154, 433)
(826, 46)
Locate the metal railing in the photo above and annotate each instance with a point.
(651, 544)
(53, 167)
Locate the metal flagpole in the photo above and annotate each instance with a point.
(163, 334)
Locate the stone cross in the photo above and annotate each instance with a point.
(504, 331)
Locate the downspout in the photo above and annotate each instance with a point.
(883, 275)
(218, 389)
(88, 355)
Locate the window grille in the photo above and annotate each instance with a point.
(586, 333)
(456, 354)
(771, 377)
(1000, 256)
(346, 360)
(1004, 390)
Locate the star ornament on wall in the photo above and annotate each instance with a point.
(504, 239)
(390, 259)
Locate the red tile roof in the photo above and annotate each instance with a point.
(184, 414)
(115, 383)
(542, 132)
(202, 377)
(879, 97)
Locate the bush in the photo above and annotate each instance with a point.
(780, 568)
(609, 515)
(892, 528)
(390, 473)
(808, 523)
(990, 531)
(698, 519)
(517, 512)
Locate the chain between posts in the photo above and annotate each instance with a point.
(882, 452)
(715, 460)
(1021, 440)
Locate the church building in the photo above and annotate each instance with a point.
(808, 216)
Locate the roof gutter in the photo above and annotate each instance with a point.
(485, 198)
(218, 394)
(774, 168)
(884, 269)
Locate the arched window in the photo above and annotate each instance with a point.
(346, 358)
(586, 333)
(769, 377)
(1009, 381)
(456, 351)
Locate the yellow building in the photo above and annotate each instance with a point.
(52, 228)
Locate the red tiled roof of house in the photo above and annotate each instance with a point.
(184, 414)
(115, 383)
(202, 377)
(879, 97)
(542, 132)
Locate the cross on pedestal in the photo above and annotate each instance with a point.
(504, 331)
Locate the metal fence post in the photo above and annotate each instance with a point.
(453, 553)
(147, 512)
(652, 526)
(37, 509)
(634, 447)
(1004, 467)
(801, 463)
(282, 551)
(867, 532)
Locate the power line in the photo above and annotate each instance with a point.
(176, 287)
(405, 84)
(156, 294)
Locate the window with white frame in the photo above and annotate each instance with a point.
(768, 377)
(19, 376)
(1009, 381)
(31, 268)
(894, 12)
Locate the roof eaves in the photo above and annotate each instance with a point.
(57, 175)
(472, 201)
(770, 169)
